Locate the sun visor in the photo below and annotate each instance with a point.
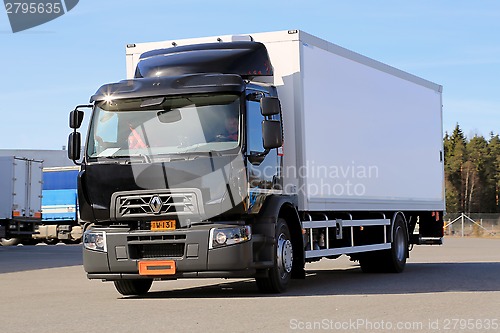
(244, 58)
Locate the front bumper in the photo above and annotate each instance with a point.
(189, 248)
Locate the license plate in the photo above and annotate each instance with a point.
(164, 225)
(156, 267)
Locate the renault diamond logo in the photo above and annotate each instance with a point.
(155, 203)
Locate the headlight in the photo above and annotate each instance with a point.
(95, 240)
(228, 236)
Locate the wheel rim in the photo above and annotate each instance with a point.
(400, 244)
(285, 255)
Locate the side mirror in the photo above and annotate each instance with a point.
(270, 106)
(74, 146)
(271, 134)
(75, 118)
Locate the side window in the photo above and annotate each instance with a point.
(104, 132)
(254, 127)
(108, 127)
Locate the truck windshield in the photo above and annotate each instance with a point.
(164, 126)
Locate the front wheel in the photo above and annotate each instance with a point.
(133, 287)
(9, 241)
(279, 275)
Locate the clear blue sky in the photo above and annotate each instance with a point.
(49, 69)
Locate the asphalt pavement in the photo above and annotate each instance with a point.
(449, 288)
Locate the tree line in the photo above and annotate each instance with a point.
(472, 173)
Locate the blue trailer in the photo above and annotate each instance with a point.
(60, 205)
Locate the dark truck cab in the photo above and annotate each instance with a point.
(167, 191)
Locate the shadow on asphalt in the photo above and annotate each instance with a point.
(417, 278)
(30, 257)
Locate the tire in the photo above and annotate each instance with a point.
(9, 241)
(133, 287)
(392, 260)
(395, 258)
(279, 275)
(51, 241)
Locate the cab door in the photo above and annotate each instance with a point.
(264, 168)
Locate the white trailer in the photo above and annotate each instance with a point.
(20, 198)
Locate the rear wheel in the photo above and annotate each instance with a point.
(133, 287)
(279, 275)
(392, 260)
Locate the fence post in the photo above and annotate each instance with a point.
(463, 224)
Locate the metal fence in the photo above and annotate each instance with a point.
(472, 225)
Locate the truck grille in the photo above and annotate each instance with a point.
(147, 204)
(155, 237)
(167, 250)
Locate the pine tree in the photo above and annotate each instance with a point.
(479, 195)
(472, 173)
(455, 157)
(494, 175)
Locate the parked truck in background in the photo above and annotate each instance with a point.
(60, 220)
(334, 153)
(38, 204)
(20, 198)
